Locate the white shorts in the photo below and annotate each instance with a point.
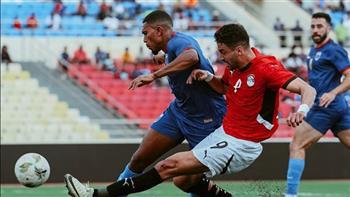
(223, 153)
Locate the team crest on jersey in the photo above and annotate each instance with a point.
(250, 80)
(318, 55)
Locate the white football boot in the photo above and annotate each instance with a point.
(77, 189)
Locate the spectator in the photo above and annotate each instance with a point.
(190, 4)
(32, 22)
(64, 60)
(127, 58)
(215, 16)
(107, 64)
(81, 9)
(16, 23)
(111, 23)
(58, 8)
(140, 58)
(118, 9)
(293, 63)
(80, 56)
(53, 21)
(5, 56)
(100, 56)
(296, 62)
(279, 27)
(180, 21)
(139, 70)
(297, 31)
(103, 12)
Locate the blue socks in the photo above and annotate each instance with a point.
(127, 173)
(295, 170)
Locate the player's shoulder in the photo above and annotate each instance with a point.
(335, 47)
(267, 62)
(179, 39)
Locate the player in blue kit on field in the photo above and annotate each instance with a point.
(196, 111)
(327, 62)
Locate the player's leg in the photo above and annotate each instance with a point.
(153, 145)
(178, 164)
(163, 136)
(305, 135)
(342, 130)
(199, 185)
(217, 154)
(344, 137)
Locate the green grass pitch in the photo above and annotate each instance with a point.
(238, 188)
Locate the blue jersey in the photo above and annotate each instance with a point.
(197, 103)
(326, 65)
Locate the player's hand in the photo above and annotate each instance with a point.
(159, 58)
(141, 81)
(294, 119)
(197, 74)
(326, 99)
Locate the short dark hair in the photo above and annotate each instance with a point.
(232, 35)
(158, 16)
(323, 15)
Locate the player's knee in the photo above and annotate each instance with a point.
(295, 146)
(167, 168)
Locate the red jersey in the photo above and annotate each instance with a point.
(252, 98)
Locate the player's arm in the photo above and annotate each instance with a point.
(344, 86)
(185, 60)
(308, 95)
(215, 82)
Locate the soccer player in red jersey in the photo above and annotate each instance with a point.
(251, 84)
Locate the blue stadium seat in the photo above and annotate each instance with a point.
(76, 25)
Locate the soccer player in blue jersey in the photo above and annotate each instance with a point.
(327, 62)
(196, 111)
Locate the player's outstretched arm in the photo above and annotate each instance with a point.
(204, 75)
(308, 95)
(328, 97)
(185, 60)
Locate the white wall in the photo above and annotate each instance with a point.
(48, 49)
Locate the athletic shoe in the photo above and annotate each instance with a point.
(77, 189)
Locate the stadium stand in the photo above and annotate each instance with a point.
(126, 14)
(35, 115)
(143, 103)
(110, 89)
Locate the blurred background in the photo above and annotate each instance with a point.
(66, 66)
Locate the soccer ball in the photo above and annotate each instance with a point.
(32, 170)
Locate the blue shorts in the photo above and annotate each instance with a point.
(168, 124)
(322, 119)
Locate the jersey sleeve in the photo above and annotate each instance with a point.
(340, 59)
(277, 76)
(225, 78)
(179, 45)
